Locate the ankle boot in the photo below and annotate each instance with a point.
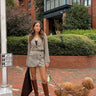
(35, 87)
(45, 88)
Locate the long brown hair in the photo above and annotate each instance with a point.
(32, 34)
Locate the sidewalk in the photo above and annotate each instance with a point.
(16, 76)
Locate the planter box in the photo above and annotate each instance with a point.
(68, 62)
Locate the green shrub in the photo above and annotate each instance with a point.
(70, 44)
(89, 33)
(81, 32)
(77, 17)
(91, 36)
(17, 45)
(65, 44)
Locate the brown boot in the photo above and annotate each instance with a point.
(35, 87)
(45, 88)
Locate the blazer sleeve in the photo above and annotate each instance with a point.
(47, 58)
(29, 47)
(28, 51)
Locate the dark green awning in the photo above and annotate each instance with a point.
(56, 11)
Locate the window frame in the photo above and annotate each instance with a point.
(29, 4)
(87, 3)
(30, 17)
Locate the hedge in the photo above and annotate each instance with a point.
(63, 44)
(72, 45)
(17, 45)
(92, 36)
(80, 32)
(89, 33)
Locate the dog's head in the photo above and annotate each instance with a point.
(88, 83)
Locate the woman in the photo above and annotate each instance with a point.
(38, 56)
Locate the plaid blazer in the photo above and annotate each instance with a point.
(39, 51)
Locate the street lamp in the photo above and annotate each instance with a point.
(5, 90)
(91, 13)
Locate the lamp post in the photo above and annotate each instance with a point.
(5, 90)
(91, 13)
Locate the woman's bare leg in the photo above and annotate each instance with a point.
(34, 81)
(43, 74)
(44, 80)
(33, 72)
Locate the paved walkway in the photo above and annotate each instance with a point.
(16, 76)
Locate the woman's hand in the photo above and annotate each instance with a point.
(47, 65)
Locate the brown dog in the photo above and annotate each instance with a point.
(68, 86)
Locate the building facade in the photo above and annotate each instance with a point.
(29, 6)
(93, 13)
(56, 9)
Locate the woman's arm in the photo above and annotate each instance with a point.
(47, 58)
(29, 47)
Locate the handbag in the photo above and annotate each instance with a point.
(27, 84)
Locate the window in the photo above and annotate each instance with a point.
(56, 3)
(22, 5)
(70, 2)
(74, 1)
(48, 4)
(52, 4)
(29, 17)
(29, 5)
(62, 2)
(66, 1)
(79, 1)
(87, 2)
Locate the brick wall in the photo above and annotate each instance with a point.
(32, 11)
(46, 26)
(92, 11)
(63, 16)
(69, 62)
(94, 14)
(89, 10)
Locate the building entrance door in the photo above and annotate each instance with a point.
(55, 24)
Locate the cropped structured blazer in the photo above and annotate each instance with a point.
(38, 52)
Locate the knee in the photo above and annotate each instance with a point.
(33, 77)
(44, 81)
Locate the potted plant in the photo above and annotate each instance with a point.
(57, 26)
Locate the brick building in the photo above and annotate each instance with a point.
(93, 14)
(57, 9)
(29, 6)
